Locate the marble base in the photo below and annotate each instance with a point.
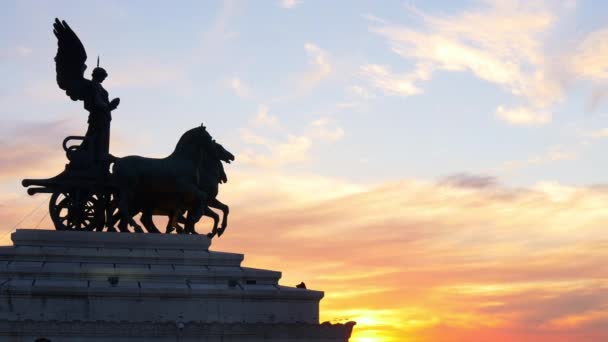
(92, 286)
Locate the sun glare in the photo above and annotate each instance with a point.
(367, 339)
(374, 336)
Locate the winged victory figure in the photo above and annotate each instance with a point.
(70, 66)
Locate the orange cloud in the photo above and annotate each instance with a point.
(424, 260)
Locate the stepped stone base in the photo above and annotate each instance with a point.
(92, 286)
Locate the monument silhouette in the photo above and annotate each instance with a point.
(91, 279)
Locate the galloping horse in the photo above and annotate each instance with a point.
(170, 179)
(210, 174)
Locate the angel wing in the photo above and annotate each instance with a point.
(70, 61)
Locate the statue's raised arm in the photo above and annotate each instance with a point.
(70, 62)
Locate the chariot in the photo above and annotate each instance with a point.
(81, 195)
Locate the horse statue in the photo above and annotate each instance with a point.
(172, 181)
(209, 182)
(210, 174)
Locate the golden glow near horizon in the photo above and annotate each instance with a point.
(442, 262)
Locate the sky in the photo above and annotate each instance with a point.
(435, 167)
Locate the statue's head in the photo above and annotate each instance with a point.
(99, 74)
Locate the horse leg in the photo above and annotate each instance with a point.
(124, 221)
(195, 213)
(107, 213)
(148, 222)
(122, 216)
(126, 180)
(191, 219)
(170, 223)
(181, 219)
(180, 222)
(126, 216)
(216, 219)
(127, 220)
(117, 218)
(215, 203)
(112, 221)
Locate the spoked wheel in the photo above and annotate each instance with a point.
(77, 210)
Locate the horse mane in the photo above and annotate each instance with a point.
(186, 140)
(187, 137)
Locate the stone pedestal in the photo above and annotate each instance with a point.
(91, 286)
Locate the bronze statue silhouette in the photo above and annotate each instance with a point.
(172, 179)
(70, 67)
(87, 196)
(210, 173)
(82, 193)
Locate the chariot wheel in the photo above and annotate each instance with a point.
(77, 210)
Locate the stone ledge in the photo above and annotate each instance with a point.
(119, 255)
(143, 272)
(35, 237)
(210, 331)
(135, 290)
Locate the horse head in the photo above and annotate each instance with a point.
(223, 154)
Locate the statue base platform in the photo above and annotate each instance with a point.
(91, 286)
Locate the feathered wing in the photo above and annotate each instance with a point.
(70, 61)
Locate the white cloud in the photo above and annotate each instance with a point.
(325, 129)
(589, 61)
(275, 150)
(290, 3)
(279, 146)
(591, 58)
(321, 66)
(360, 92)
(239, 88)
(602, 133)
(552, 155)
(555, 192)
(499, 43)
(262, 118)
(382, 78)
(294, 149)
(523, 115)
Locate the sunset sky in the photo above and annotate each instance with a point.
(438, 168)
